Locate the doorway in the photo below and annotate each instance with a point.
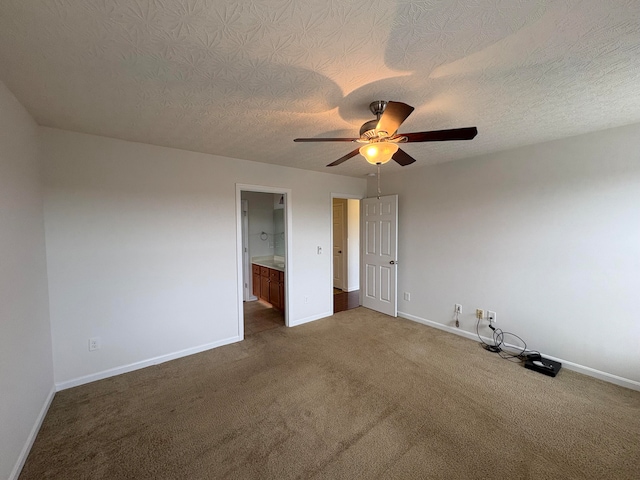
(345, 248)
(263, 234)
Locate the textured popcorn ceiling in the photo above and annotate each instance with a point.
(243, 78)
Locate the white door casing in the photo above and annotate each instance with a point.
(379, 235)
(246, 267)
(339, 220)
(289, 277)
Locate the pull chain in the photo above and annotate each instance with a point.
(378, 180)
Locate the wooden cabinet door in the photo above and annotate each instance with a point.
(281, 291)
(264, 288)
(274, 288)
(255, 280)
(264, 283)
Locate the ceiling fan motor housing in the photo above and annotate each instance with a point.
(368, 129)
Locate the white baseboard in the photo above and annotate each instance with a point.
(112, 372)
(15, 473)
(439, 326)
(310, 319)
(592, 372)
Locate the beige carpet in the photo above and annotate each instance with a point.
(357, 395)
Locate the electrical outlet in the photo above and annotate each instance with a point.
(479, 313)
(457, 308)
(306, 299)
(491, 316)
(94, 344)
(407, 296)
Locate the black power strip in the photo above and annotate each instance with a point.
(542, 365)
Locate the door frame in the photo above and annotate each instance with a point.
(247, 295)
(345, 246)
(288, 278)
(350, 197)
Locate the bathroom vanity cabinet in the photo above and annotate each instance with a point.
(268, 285)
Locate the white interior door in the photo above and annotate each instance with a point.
(379, 253)
(339, 246)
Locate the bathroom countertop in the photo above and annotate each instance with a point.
(269, 262)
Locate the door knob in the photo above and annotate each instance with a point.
(339, 251)
(393, 262)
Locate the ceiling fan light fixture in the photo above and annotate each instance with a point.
(381, 136)
(379, 152)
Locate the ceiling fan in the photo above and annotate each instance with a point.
(381, 138)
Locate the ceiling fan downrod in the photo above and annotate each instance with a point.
(377, 108)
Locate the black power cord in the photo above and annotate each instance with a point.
(505, 351)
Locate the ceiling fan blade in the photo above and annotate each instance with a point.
(403, 158)
(466, 133)
(345, 158)
(394, 114)
(325, 139)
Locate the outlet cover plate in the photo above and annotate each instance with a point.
(94, 344)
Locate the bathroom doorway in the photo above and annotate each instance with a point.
(345, 235)
(263, 254)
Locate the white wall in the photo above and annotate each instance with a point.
(548, 236)
(141, 249)
(353, 244)
(26, 370)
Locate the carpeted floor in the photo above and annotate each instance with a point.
(357, 395)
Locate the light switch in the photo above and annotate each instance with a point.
(319, 250)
